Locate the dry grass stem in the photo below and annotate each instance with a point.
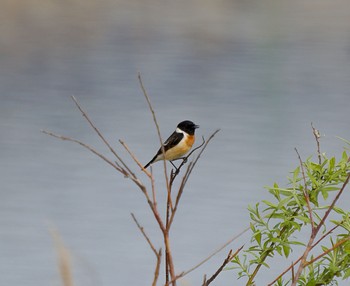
(63, 257)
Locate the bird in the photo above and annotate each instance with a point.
(178, 143)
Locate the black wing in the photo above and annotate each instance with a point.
(172, 141)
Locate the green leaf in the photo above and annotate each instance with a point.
(324, 194)
(346, 247)
(303, 218)
(339, 210)
(257, 237)
(296, 174)
(286, 250)
(331, 165)
(283, 202)
(269, 204)
(346, 274)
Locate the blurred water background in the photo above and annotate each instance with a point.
(262, 71)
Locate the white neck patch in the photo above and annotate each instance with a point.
(178, 130)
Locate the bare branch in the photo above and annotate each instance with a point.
(169, 266)
(153, 188)
(156, 272)
(229, 257)
(65, 138)
(182, 274)
(184, 160)
(333, 203)
(101, 136)
(134, 158)
(198, 156)
(293, 274)
(123, 168)
(187, 174)
(145, 235)
(157, 127)
(158, 253)
(339, 243)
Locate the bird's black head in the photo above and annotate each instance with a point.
(188, 126)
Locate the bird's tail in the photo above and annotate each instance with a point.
(150, 162)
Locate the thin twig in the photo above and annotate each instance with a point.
(144, 235)
(291, 267)
(198, 156)
(317, 135)
(267, 253)
(100, 135)
(118, 168)
(153, 187)
(169, 265)
(158, 132)
(303, 262)
(155, 123)
(134, 158)
(65, 138)
(326, 234)
(183, 273)
(156, 272)
(339, 243)
(306, 194)
(187, 174)
(229, 257)
(184, 160)
(179, 194)
(333, 203)
(157, 254)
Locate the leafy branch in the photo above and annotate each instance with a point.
(276, 224)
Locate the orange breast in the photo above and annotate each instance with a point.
(190, 140)
(181, 149)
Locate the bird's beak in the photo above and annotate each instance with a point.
(196, 126)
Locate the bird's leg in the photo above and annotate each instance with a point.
(173, 173)
(173, 165)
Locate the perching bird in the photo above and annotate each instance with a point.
(178, 144)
